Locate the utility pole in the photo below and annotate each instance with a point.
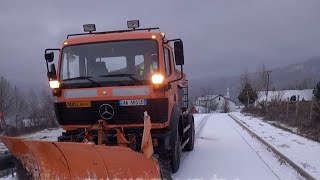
(267, 91)
(248, 99)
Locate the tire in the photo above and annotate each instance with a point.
(191, 135)
(175, 151)
(165, 170)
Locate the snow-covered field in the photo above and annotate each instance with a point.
(46, 135)
(303, 152)
(224, 150)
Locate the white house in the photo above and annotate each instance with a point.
(284, 95)
(198, 109)
(216, 102)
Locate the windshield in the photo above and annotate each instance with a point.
(109, 63)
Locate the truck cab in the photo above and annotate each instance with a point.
(116, 76)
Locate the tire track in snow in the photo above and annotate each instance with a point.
(256, 152)
(199, 128)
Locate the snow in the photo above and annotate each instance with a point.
(46, 135)
(2, 148)
(302, 151)
(292, 129)
(223, 150)
(10, 177)
(305, 94)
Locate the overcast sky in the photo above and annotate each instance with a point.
(221, 37)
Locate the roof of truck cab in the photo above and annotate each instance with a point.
(90, 38)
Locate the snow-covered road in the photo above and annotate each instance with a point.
(223, 150)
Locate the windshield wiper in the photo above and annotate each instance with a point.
(130, 76)
(84, 77)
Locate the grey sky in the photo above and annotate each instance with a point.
(221, 37)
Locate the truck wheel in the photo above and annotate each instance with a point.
(165, 170)
(191, 135)
(175, 151)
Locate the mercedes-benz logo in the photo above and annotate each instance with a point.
(106, 111)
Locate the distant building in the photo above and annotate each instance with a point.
(285, 95)
(215, 102)
(198, 109)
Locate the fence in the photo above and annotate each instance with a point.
(298, 114)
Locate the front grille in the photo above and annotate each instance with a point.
(156, 108)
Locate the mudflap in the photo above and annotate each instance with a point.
(68, 160)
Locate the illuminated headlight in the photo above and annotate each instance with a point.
(157, 79)
(54, 84)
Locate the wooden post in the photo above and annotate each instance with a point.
(248, 99)
(311, 109)
(268, 79)
(287, 113)
(297, 108)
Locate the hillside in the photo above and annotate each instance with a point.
(294, 76)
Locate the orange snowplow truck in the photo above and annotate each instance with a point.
(122, 99)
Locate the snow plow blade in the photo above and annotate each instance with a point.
(69, 160)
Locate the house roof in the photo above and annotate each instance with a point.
(207, 97)
(212, 97)
(220, 95)
(283, 95)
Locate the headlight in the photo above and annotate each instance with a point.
(54, 84)
(157, 78)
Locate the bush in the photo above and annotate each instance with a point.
(316, 104)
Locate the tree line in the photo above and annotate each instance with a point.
(24, 111)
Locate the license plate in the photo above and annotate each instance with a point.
(78, 104)
(134, 102)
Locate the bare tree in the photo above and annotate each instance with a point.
(17, 108)
(226, 107)
(244, 78)
(206, 98)
(303, 84)
(207, 91)
(262, 78)
(20, 107)
(46, 109)
(6, 98)
(212, 106)
(277, 96)
(33, 109)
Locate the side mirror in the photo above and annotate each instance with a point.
(52, 73)
(178, 52)
(49, 57)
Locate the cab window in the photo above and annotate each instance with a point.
(167, 61)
